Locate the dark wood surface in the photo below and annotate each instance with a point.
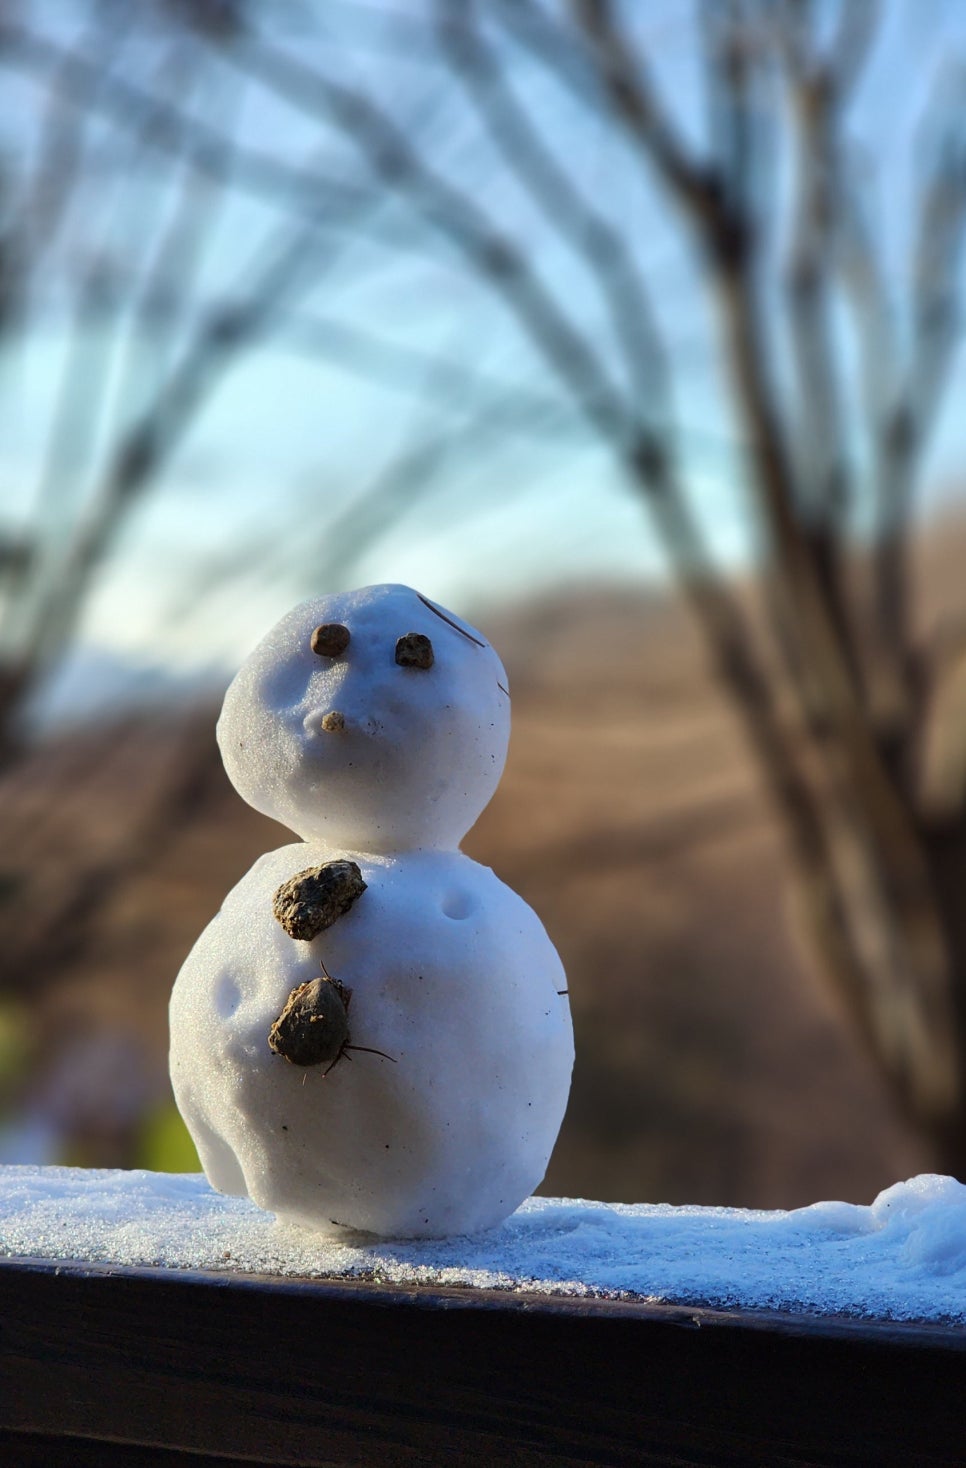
(123, 1366)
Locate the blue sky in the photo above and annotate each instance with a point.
(288, 438)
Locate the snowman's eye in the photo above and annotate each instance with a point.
(330, 640)
(414, 651)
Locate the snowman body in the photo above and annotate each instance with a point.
(379, 745)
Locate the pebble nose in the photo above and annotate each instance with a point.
(333, 722)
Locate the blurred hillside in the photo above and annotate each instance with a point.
(711, 1065)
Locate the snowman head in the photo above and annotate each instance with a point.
(371, 720)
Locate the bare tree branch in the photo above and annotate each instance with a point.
(143, 449)
(819, 86)
(556, 49)
(82, 83)
(867, 293)
(476, 431)
(81, 404)
(823, 452)
(394, 363)
(525, 153)
(903, 387)
(632, 94)
(164, 300)
(852, 44)
(732, 45)
(457, 217)
(892, 676)
(893, 869)
(56, 173)
(936, 329)
(934, 287)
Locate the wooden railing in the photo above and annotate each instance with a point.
(104, 1366)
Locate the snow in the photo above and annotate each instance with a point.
(375, 725)
(456, 985)
(415, 753)
(902, 1257)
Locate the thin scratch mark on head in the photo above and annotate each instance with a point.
(449, 621)
(502, 689)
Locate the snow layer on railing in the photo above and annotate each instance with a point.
(902, 1257)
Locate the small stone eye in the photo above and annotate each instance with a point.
(414, 651)
(330, 640)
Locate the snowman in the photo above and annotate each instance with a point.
(374, 1032)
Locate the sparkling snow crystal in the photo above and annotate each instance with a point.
(903, 1257)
